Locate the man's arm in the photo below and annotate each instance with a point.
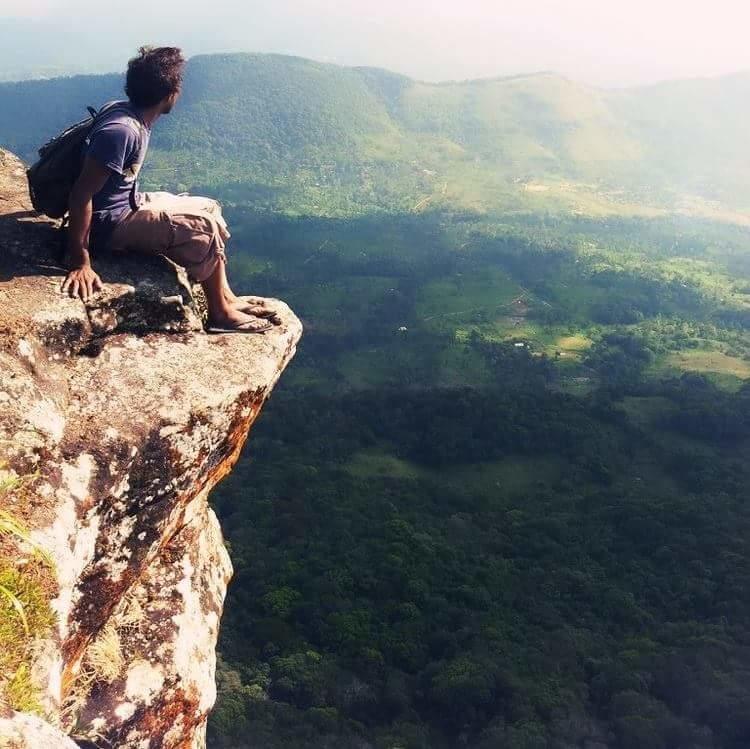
(82, 280)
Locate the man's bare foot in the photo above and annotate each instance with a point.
(232, 317)
(236, 321)
(243, 301)
(255, 306)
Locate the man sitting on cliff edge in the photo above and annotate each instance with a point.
(108, 212)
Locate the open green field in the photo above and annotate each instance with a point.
(726, 371)
(497, 481)
(714, 362)
(449, 300)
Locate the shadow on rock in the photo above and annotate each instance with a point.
(141, 294)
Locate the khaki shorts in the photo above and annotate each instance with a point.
(187, 229)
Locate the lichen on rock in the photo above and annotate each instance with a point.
(127, 414)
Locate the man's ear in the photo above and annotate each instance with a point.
(169, 102)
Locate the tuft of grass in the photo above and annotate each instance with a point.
(102, 662)
(10, 526)
(25, 612)
(21, 693)
(23, 602)
(104, 656)
(17, 604)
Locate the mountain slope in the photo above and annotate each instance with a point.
(267, 118)
(694, 132)
(32, 48)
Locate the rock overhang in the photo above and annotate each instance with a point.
(128, 414)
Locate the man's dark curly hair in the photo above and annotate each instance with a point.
(154, 74)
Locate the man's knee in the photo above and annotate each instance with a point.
(197, 245)
(213, 206)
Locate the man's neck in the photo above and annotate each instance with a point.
(150, 115)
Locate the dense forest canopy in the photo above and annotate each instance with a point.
(499, 500)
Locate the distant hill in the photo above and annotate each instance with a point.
(479, 143)
(34, 49)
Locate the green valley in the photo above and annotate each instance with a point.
(499, 499)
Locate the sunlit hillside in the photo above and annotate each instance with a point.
(323, 138)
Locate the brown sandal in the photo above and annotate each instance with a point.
(251, 326)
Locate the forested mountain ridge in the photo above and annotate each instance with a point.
(526, 142)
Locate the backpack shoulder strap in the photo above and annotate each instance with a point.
(136, 125)
(133, 122)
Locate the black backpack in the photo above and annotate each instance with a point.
(52, 177)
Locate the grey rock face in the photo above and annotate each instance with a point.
(128, 414)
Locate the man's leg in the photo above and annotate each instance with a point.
(195, 243)
(250, 305)
(198, 205)
(222, 315)
(186, 204)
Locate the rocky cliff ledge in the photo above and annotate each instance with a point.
(119, 416)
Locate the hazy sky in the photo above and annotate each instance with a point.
(599, 41)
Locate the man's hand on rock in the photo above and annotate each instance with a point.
(82, 282)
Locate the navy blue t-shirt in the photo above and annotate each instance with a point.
(118, 141)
